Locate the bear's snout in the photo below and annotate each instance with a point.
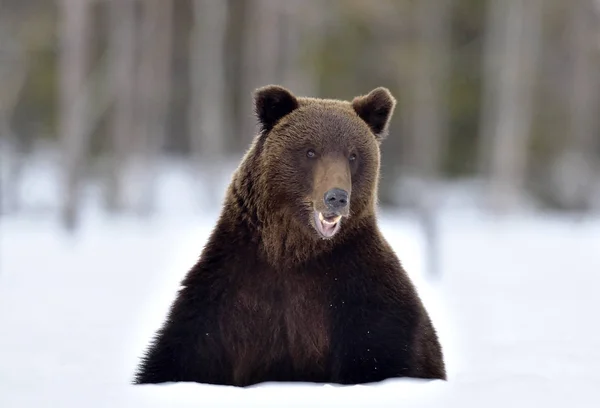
(336, 199)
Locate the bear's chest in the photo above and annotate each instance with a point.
(277, 321)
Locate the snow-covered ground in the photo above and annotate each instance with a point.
(516, 308)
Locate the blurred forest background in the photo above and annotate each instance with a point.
(497, 98)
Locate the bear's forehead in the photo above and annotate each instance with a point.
(326, 106)
(332, 120)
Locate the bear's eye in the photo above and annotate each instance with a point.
(352, 157)
(311, 154)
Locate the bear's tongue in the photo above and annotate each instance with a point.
(329, 225)
(328, 228)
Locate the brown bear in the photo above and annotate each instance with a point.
(296, 282)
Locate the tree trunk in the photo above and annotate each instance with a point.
(429, 117)
(122, 75)
(296, 25)
(208, 113)
(74, 102)
(578, 165)
(429, 124)
(13, 74)
(509, 91)
(261, 55)
(153, 92)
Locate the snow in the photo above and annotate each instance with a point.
(516, 309)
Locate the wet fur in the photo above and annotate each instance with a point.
(269, 300)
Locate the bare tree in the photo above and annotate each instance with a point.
(512, 49)
(208, 115)
(13, 74)
(122, 76)
(299, 22)
(153, 93)
(577, 167)
(428, 116)
(74, 101)
(261, 54)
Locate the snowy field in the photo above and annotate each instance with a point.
(516, 308)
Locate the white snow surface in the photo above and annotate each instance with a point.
(516, 308)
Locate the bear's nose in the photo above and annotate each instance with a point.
(336, 199)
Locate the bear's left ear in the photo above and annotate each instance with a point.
(271, 103)
(376, 110)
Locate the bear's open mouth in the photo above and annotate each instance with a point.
(327, 225)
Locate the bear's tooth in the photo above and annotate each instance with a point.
(332, 222)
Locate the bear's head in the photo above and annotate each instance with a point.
(320, 158)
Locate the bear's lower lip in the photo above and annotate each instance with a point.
(327, 226)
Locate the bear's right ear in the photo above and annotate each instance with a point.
(271, 103)
(376, 110)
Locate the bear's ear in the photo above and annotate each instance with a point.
(271, 103)
(376, 110)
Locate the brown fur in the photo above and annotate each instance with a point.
(270, 299)
(324, 123)
(332, 173)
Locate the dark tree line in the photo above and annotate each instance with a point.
(504, 91)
